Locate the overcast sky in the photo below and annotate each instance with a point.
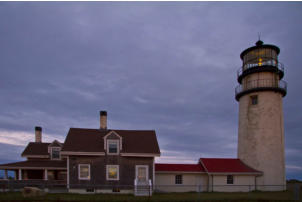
(167, 66)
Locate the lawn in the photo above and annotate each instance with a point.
(177, 197)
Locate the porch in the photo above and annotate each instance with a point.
(38, 173)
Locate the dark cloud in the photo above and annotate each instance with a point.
(168, 66)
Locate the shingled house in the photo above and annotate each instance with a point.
(107, 160)
(44, 162)
(93, 160)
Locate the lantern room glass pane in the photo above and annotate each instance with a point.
(260, 57)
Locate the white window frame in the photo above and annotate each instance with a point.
(110, 141)
(117, 135)
(232, 176)
(182, 179)
(107, 173)
(79, 172)
(59, 148)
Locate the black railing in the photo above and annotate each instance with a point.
(272, 63)
(261, 84)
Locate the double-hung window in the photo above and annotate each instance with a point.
(112, 147)
(112, 172)
(84, 171)
(230, 179)
(178, 179)
(55, 153)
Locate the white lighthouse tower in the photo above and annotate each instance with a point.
(261, 128)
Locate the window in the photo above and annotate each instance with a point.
(112, 172)
(178, 179)
(55, 153)
(254, 99)
(230, 179)
(84, 172)
(113, 146)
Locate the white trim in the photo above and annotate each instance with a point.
(45, 174)
(51, 148)
(203, 165)
(67, 172)
(83, 153)
(111, 132)
(20, 174)
(182, 182)
(182, 172)
(143, 166)
(230, 173)
(140, 154)
(56, 142)
(118, 172)
(233, 179)
(79, 172)
(115, 133)
(110, 141)
(5, 175)
(31, 168)
(153, 173)
(35, 156)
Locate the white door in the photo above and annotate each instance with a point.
(142, 174)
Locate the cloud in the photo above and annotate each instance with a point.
(21, 138)
(152, 65)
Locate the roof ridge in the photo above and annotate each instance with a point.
(40, 142)
(222, 158)
(176, 164)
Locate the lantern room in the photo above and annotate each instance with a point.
(259, 58)
(260, 70)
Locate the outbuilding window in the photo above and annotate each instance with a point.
(230, 179)
(178, 179)
(84, 171)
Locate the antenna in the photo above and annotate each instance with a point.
(259, 35)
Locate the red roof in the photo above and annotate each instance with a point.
(179, 167)
(220, 165)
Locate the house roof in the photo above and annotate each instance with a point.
(91, 140)
(224, 165)
(55, 143)
(61, 164)
(160, 167)
(36, 148)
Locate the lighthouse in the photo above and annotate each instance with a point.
(261, 128)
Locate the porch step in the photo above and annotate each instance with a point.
(142, 191)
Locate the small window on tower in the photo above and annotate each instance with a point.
(254, 99)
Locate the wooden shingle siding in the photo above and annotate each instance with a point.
(98, 170)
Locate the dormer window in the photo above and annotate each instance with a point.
(112, 146)
(113, 143)
(54, 150)
(55, 153)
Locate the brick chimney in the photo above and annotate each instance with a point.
(38, 134)
(103, 120)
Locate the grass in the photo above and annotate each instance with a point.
(174, 197)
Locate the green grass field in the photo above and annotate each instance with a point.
(177, 197)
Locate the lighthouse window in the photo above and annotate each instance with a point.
(254, 100)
